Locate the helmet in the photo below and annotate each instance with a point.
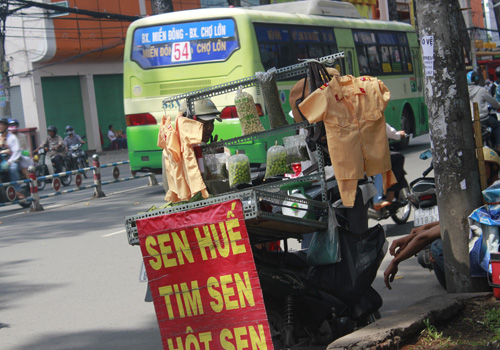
(497, 72)
(472, 78)
(14, 122)
(206, 110)
(206, 106)
(69, 129)
(52, 128)
(491, 156)
(4, 120)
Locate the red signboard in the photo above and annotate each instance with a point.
(203, 280)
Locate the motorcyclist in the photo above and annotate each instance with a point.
(10, 146)
(24, 160)
(484, 100)
(57, 149)
(495, 90)
(72, 138)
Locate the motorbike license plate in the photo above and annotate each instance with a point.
(425, 216)
(143, 277)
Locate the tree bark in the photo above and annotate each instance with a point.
(450, 124)
(161, 6)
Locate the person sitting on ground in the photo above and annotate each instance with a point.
(10, 146)
(57, 149)
(420, 237)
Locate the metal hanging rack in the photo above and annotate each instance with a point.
(281, 74)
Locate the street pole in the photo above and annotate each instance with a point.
(450, 124)
(4, 67)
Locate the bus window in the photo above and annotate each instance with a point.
(292, 43)
(382, 53)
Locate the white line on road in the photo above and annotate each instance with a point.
(114, 233)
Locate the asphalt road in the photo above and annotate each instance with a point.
(69, 279)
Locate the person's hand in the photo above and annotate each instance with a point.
(402, 133)
(399, 244)
(389, 274)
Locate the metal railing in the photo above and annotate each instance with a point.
(96, 167)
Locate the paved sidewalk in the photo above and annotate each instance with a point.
(388, 332)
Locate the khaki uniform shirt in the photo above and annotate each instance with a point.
(191, 133)
(352, 110)
(168, 140)
(181, 166)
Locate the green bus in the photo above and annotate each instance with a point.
(179, 52)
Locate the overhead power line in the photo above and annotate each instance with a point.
(61, 9)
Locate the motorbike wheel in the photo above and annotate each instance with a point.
(27, 193)
(81, 165)
(402, 214)
(66, 180)
(39, 171)
(277, 327)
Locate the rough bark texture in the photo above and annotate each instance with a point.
(161, 6)
(450, 123)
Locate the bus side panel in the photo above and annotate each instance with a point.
(144, 154)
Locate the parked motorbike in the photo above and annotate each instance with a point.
(399, 211)
(423, 195)
(41, 169)
(8, 194)
(77, 158)
(314, 305)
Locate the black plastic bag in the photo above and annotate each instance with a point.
(361, 256)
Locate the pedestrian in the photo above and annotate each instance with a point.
(495, 91)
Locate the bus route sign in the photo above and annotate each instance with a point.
(193, 42)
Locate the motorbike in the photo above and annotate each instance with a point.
(423, 195)
(399, 211)
(41, 169)
(313, 305)
(8, 194)
(77, 158)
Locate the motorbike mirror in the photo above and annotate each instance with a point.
(426, 155)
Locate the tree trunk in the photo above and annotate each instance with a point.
(454, 156)
(161, 6)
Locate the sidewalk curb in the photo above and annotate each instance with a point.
(386, 333)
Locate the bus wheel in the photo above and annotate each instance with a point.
(407, 126)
